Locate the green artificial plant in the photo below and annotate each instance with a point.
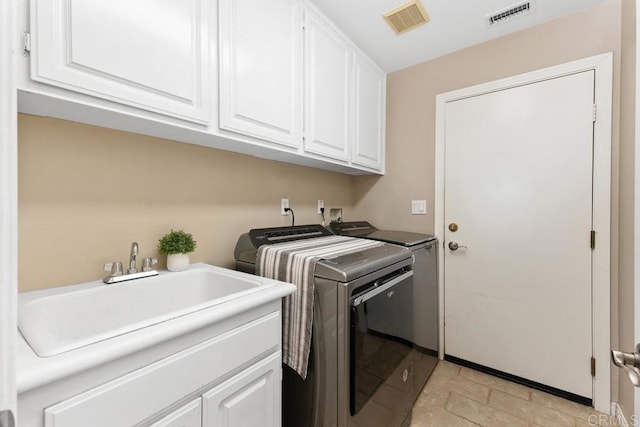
(176, 242)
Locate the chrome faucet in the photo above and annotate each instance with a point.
(133, 258)
(115, 268)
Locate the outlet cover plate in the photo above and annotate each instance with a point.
(418, 207)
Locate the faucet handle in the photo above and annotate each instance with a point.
(114, 267)
(148, 263)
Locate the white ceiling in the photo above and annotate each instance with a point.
(454, 25)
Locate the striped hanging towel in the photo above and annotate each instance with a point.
(295, 262)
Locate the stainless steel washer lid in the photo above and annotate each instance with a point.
(404, 238)
(365, 230)
(352, 266)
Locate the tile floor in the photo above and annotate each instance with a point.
(457, 396)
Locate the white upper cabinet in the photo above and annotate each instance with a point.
(274, 79)
(369, 105)
(151, 54)
(260, 69)
(327, 75)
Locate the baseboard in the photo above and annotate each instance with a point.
(519, 380)
(616, 411)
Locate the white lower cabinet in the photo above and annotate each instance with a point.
(189, 415)
(250, 399)
(232, 379)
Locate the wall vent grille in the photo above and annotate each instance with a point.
(516, 10)
(407, 16)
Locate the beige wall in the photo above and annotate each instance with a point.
(411, 130)
(85, 193)
(411, 105)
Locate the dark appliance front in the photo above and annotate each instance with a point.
(381, 334)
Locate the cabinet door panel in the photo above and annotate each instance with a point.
(260, 69)
(190, 415)
(250, 399)
(150, 54)
(369, 98)
(328, 116)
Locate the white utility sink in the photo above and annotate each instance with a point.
(57, 320)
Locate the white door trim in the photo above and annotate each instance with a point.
(636, 220)
(603, 66)
(8, 204)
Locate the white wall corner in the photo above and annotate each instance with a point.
(8, 208)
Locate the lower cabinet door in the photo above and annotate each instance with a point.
(249, 399)
(189, 415)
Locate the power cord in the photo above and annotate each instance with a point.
(322, 213)
(293, 216)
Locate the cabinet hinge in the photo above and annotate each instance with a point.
(593, 367)
(592, 239)
(26, 43)
(595, 112)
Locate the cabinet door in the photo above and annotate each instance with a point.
(260, 69)
(249, 399)
(151, 54)
(189, 415)
(369, 105)
(328, 118)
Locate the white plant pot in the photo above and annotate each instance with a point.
(177, 262)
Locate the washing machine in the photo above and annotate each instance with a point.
(424, 248)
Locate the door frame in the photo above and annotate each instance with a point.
(636, 213)
(601, 256)
(8, 207)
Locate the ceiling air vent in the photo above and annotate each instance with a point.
(407, 16)
(516, 10)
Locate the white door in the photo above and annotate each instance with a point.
(8, 211)
(518, 185)
(327, 75)
(261, 69)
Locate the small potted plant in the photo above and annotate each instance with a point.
(177, 245)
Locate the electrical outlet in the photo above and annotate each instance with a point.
(284, 203)
(320, 206)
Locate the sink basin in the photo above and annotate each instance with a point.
(57, 320)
